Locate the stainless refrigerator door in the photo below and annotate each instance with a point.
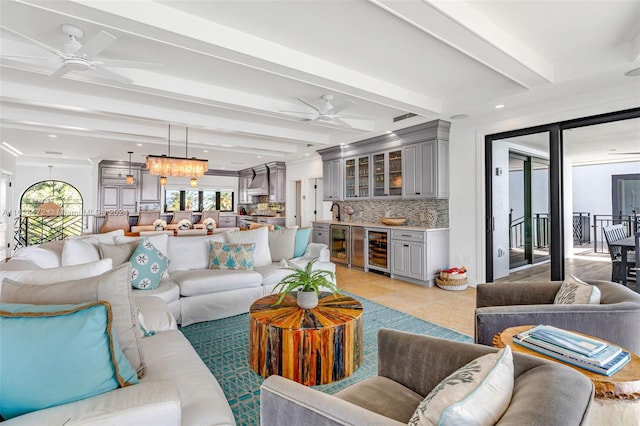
(357, 247)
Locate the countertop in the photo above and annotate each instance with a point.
(380, 225)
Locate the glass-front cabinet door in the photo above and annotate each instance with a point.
(357, 177)
(387, 174)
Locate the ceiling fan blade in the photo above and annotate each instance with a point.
(311, 119)
(625, 153)
(97, 44)
(340, 107)
(309, 104)
(39, 58)
(105, 73)
(297, 112)
(60, 72)
(364, 117)
(36, 42)
(116, 63)
(341, 122)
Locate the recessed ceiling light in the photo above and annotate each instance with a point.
(388, 131)
(306, 154)
(53, 136)
(499, 106)
(633, 73)
(227, 146)
(459, 116)
(259, 156)
(139, 144)
(205, 150)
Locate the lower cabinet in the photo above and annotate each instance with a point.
(227, 222)
(320, 233)
(418, 256)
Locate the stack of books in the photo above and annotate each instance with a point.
(584, 352)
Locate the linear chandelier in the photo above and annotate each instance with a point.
(166, 165)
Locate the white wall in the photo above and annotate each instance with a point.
(467, 192)
(592, 186)
(309, 173)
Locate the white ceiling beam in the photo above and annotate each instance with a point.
(462, 27)
(152, 111)
(165, 24)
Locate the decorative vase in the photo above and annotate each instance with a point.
(432, 218)
(184, 227)
(210, 227)
(159, 228)
(307, 299)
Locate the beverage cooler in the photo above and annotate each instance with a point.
(339, 244)
(377, 249)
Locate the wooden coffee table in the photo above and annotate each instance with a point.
(310, 346)
(617, 397)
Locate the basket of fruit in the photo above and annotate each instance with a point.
(452, 279)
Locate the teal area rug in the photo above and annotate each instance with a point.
(223, 345)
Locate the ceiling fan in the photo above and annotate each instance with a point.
(81, 57)
(328, 112)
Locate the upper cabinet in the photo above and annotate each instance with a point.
(244, 179)
(332, 179)
(387, 174)
(407, 163)
(149, 187)
(426, 170)
(356, 177)
(277, 182)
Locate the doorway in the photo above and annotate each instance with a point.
(625, 195)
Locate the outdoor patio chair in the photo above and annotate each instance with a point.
(613, 233)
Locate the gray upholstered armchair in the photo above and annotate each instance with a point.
(503, 305)
(409, 367)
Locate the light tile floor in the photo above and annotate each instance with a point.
(452, 309)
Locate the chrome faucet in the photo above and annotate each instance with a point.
(331, 210)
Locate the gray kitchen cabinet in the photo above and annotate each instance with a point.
(114, 197)
(227, 222)
(320, 233)
(426, 170)
(387, 174)
(356, 178)
(277, 182)
(149, 188)
(332, 180)
(417, 256)
(244, 180)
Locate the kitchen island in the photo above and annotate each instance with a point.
(409, 253)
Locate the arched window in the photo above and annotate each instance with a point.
(49, 210)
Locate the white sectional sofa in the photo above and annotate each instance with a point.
(175, 386)
(193, 292)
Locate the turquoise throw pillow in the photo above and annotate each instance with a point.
(56, 354)
(148, 264)
(231, 256)
(302, 241)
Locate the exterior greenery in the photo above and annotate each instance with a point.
(190, 199)
(35, 229)
(306, 280)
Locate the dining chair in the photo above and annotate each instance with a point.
(213, 214)
(116, 219)
(613, 233)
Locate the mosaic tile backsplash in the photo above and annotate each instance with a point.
(413, 210)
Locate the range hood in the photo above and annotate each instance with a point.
(260, 183)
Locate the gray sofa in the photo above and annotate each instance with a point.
(409, 367)
(503, 305)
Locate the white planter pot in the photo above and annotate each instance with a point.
(159, 228)
(307, 299)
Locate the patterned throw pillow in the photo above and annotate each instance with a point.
(475, 394)
(231, 256)
(575, 291)
(147, 266)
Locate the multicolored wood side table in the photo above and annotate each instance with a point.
(310, 346)
(617, 397)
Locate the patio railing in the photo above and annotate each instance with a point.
(36, 229)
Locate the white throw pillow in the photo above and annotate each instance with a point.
(575, 291)
(47, 255)
(477, 394)
(54, 275)
(282, 243)
(191, 252)
(78, 251)
(259, 237)
(160, 241)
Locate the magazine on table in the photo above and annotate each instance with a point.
(605, 360)
(567, 340)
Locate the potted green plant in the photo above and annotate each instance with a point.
(307, 283)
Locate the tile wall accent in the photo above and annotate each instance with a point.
(373, 210)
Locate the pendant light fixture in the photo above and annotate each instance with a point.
(129, 179)
(166, 165)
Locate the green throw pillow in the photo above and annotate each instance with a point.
(56, 354)
(231, 256)
(147, 266)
